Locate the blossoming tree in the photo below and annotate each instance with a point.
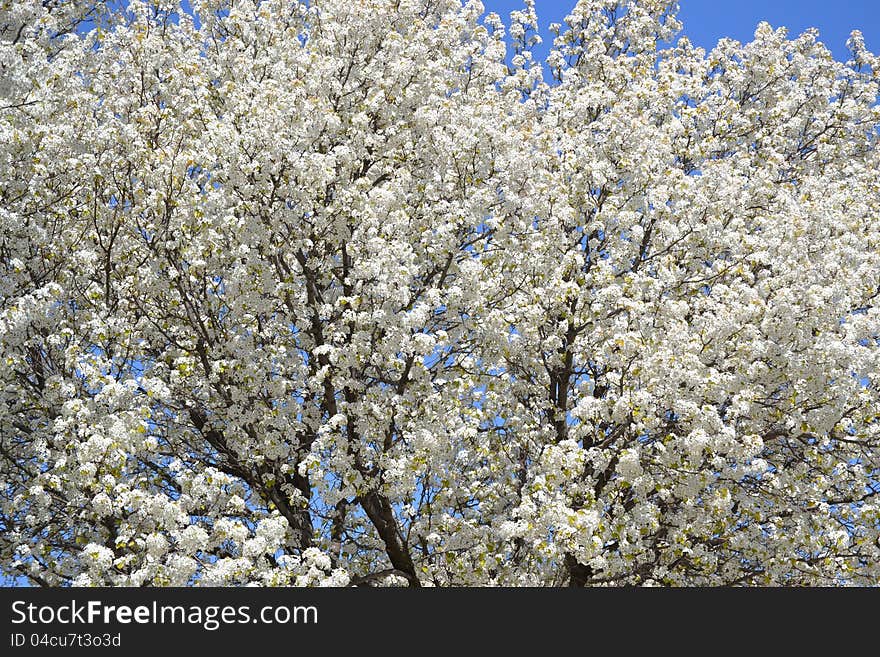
(357, 292)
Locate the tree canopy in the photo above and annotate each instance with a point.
(357, 292)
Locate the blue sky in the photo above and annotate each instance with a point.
(706, 21)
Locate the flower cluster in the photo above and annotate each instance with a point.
(357, 291)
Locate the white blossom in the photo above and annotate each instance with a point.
(334, 293)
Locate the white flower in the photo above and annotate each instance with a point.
(628, 465)
(192, 539)
(156, 545)
(97, 557)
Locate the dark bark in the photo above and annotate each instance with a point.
(578, 573)
(380, 513)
